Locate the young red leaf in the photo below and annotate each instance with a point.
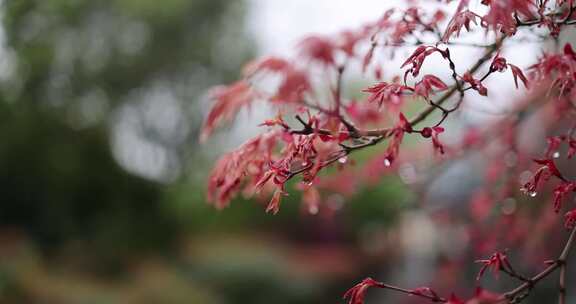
(427, 83)
(475, 84)
(460, 19)
(386, 92)
(404, 123)
(560, 192)
(454, 300)
(319, 49)
(419, 50)
(271, 64)
(356, 294)
(570, 219)
(551, 166)
(274, 204)
(498, 63)
(229, 100)
(568, 51)
(517, 73)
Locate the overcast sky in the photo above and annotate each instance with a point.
(279, 24)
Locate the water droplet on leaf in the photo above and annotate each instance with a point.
(556, 154)
(313, 209)
(387, 162)
(528, 191)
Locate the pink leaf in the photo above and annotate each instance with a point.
(229, 100)
(416, 53)
(517, 73)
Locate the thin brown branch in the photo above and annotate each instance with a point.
(338, 91)
(515, 275)
(558, 264)
(432, 296)
(562, 285)
(562, 262)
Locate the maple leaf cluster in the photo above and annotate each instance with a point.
(317, 125)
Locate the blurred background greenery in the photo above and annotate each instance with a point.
(102, 178)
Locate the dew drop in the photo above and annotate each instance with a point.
(343, 159)
(387, 162)
(556, 154)
(528, 192)
(313, 209)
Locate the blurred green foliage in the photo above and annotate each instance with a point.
(75, 65)
(102, 179)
